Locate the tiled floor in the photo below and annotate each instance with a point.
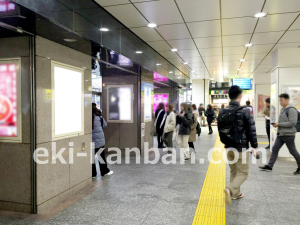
(169, 194)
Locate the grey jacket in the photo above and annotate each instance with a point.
(98, 134)
(287, 124)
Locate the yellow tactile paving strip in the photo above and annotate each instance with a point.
(211, 207)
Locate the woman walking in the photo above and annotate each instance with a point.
(169, 128)
(193, 136)
(159, 123)
(210, 114)
(98, 125)
(185, 122)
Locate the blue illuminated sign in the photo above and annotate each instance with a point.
(243, 83)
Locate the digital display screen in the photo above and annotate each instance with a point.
(67, 93)
(118, 59)
(158, 98)
(243, 83)
(119, 103)
(8, 100)
(158, 77)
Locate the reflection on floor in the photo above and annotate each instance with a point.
(169, 194)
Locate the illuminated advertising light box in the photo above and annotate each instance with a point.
(10, 101)
(67, 101)
(147, 93)
(158, 77)
(158, 98)
(120, 103)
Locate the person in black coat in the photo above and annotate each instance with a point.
(160, 119)
(210, 114)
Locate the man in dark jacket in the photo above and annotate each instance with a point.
(246, 128)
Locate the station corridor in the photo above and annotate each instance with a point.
(177, 194)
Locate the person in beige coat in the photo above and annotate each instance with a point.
(193, 135)
(169, 128)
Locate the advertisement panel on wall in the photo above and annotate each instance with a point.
(294, 93)
(158, 98)
(261, 104)
(120, 105)
(147, 94)
(68, 91)
(10, 101)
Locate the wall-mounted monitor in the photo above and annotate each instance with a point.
(10, 100)
(243, 83)
(120, 103)
(67, 101)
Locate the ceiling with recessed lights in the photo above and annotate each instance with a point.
(210, 35)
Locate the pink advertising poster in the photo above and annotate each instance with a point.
(158, 98)
(159, 77)
(8, 100)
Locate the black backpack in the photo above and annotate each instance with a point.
(228, 127)
(298, 122)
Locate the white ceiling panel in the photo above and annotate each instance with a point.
(240, 8)
(182, 44)
(213, 58)
(195, 10)
(239, 50)
(211, 42)
(255, 56)
(260, 48)
(169, 55)
(159, 45)
(175, 31)
(232, 58)
(238, 26)
(211, 51)
(291, 36)
(236, 40)
(282, 6)
(134, 20)
(111, 2)
(287, 45)
(147, 34)
(160, 12)
(266, 38)
(175, 60)
(205, 29)
(296, 25)
(276, 22)
(187, 53)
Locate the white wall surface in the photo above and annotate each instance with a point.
(198, 92)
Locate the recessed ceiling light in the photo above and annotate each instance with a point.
(242, 60)
(152, 25)
(239, 69)
(260, 14)
(174, 50)
(193, 71)
(104, 29)
(70, 40)
(170, 72)
(185, 63)
(158, 64)
(236, 75)
(248, 45)
(211, 78)
(138, 52)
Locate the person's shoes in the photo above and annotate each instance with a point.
(266, 168)
(268, 147)
(238, 197)
(94, 177)
(109, 173)
(227, 196)
(297, 171)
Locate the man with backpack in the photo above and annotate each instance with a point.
(288, 120)
(236, 129)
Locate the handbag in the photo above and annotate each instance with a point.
(198, 128)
